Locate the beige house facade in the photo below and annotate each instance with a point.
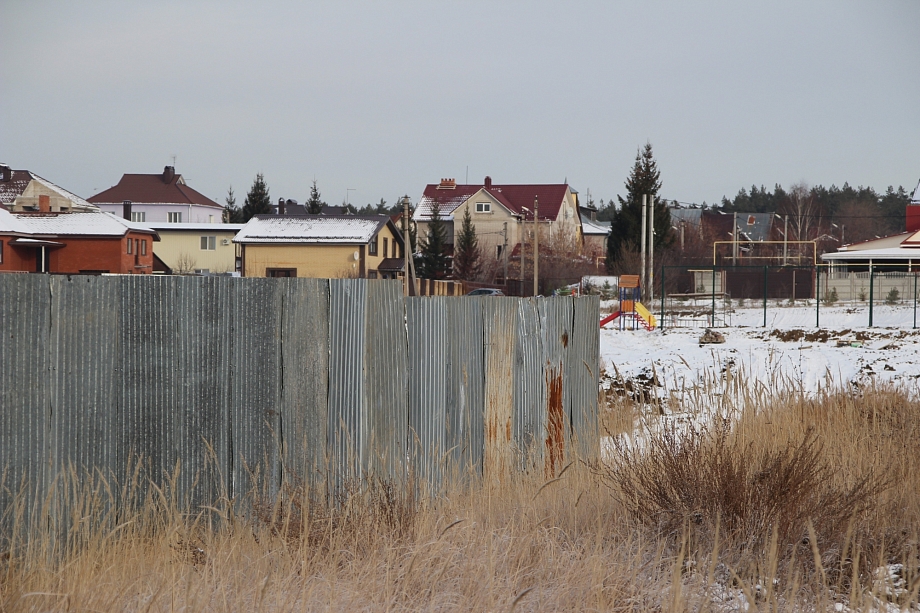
(320, 246)
(503, 215)
(188, 248)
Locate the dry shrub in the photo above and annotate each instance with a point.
(711, 478)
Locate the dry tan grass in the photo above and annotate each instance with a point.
(580, 542)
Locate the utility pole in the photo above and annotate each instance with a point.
(643, 238)
(505, 251)
(536, 245)
(408, 264)
(785, 239)
(651, 247)
(734, 239)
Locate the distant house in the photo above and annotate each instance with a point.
(87, 243)
(502, 214)
(21, 190)
(186, 248)
(594, 235)
(159, 198)
(323, 246)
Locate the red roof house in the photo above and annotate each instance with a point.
(158, 198)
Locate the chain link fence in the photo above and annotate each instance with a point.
(719, 296)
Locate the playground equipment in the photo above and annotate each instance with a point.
(632, 313)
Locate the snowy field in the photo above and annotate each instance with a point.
(673, 367)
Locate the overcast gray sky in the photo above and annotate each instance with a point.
(384, 97)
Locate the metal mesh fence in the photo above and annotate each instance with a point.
(701, 296)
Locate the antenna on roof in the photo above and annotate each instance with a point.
(173, 156)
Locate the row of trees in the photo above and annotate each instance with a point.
(832, 216)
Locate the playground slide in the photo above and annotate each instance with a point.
(647, 318)
(606, 320)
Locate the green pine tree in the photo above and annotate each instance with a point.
(314, 204)
(433, 261)
(258, 202)
(467, 256)
(232, 213)
(626, 224)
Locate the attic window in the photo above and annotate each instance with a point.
(483, 207)
(751, 220)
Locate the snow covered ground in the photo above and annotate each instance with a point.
(790, 351)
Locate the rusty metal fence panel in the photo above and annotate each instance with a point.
(529, 387)
(465, 386)
(581, 368)
(245, 382)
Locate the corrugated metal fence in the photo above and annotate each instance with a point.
(316, 382)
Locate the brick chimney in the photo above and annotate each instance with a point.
(447, 184)
(44, 204)
(169, 173)
(126, 209)
(281, 206)
(488, 183)
(6, 173)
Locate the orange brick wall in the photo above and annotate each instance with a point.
(98, 254)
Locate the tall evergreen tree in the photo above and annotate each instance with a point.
(467, 257)
(314, 204)
(433, 262)
(626, 225)
(232, 213)
(258, 202)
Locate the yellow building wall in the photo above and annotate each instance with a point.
(182, 252)
(317, 261)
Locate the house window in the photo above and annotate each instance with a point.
(130, 246)
(395, 254)
(208, 243)
(138, 216)
(498, 251)
(144, 247)
(386, 246)
(372, 274)
(174, 217)
(483, 207)
(372, 247)
(280, 272)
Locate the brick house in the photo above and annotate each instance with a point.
(74, 243)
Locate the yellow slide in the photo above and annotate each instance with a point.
(647, 318)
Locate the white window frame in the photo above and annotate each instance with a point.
(208, 243)
(483, 207)
(174, 217)
(138, 216)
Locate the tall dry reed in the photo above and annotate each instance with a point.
(796, 506)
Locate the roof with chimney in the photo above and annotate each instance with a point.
(313, 229)
(166, 187)
(48, 225)
(448, 195)
(14, 182)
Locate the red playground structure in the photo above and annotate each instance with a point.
(632, 313)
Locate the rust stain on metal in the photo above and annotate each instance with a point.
(555, 431)
(508, 430)
(565, 339)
